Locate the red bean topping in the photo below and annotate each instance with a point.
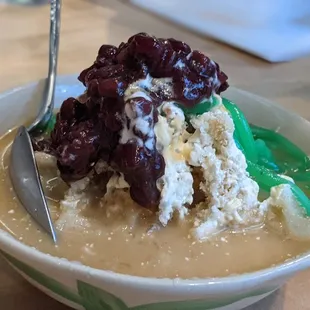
(89, 131)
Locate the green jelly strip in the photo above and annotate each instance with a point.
(257, 151)
(265, 156)
(242, 131)
(269, 164)
(282, 143)
(263, 150)
(260, 168)
(50, 125)
(199, 108)
(300, 176)
(266, 179)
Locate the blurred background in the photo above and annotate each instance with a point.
(263, 45)
(277, 30)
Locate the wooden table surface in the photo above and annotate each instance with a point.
(88, 24)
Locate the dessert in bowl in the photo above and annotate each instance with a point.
(164, 194)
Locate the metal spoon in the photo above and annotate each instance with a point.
(23, 168)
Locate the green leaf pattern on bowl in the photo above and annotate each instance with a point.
(49, 283)
(93, 298)
(96, 299)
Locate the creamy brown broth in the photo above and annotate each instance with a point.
(110, 241)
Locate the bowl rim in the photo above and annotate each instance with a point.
(15, 247)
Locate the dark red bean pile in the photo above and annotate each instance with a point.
(86, 132)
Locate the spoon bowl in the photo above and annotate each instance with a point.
(26, 182)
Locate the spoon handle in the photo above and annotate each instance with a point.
(48, 96)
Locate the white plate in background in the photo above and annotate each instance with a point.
(273, 30)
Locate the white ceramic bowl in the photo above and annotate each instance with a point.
(82, 287)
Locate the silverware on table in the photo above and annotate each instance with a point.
(23, 168)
